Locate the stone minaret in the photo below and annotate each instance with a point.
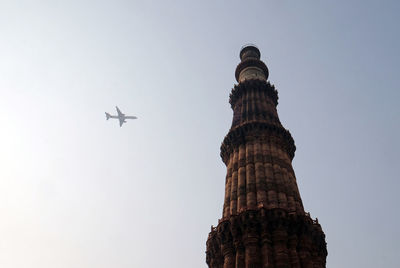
(263, 222)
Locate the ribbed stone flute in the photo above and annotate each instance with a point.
(263, 221)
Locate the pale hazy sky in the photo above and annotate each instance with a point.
(78, 191)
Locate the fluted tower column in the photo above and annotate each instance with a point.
(263, 221)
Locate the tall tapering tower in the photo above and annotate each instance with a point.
(263, 222)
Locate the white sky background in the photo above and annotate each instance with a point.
(79, 191)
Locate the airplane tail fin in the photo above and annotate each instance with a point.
(108, 116)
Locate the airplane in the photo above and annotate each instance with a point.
(121, 117)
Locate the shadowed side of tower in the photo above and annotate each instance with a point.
(263, 221)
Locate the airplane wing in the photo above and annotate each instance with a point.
(118, 111)
(121, 120)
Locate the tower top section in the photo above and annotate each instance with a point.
(250, 66)
(249, 51)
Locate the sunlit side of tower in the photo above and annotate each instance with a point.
(263, 222)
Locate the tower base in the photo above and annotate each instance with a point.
(265, 238)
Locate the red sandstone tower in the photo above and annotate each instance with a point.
(263, 222)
